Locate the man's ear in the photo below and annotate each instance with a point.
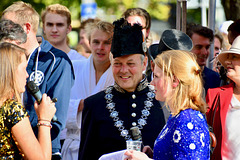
(152, 65)
(27, 27)
(145, 60)
(69, 29)
(175, 82)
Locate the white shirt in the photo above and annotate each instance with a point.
(74, 55)
(232, 139)
(84, 86)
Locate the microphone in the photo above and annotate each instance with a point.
(33, 89)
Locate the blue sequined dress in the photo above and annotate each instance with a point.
(185, 136)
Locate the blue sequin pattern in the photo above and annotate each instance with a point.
(184, 137)
(11, 113)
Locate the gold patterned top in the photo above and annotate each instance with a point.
(11, 112)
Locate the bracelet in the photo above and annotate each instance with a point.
(44, 124)
(44, 120)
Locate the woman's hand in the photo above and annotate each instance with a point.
(135, 155)
(46, 109)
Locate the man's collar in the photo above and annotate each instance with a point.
(141, 86)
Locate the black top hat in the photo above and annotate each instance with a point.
(127, 39)
(171, 39)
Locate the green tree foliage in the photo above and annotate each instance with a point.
(158, 9)
(231, 9)
(39, 5)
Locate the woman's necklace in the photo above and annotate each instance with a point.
(114, 114)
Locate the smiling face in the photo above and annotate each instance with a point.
(56, 28)
(100, 44)
(21, 74)
(162, 84)
(201, 47)
(127, 71)
(233, 67)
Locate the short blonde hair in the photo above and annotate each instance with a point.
(23, 12)
(182, 66)
(57, 9)
(10, 58)
(101, 25)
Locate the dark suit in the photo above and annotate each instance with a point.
(99, 135)
(211, 79)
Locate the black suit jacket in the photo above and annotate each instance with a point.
(98, 133)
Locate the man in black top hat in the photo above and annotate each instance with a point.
(171, 39)
(130, 102)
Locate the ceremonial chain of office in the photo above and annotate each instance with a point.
(114, 114)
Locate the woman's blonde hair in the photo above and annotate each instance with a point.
(182, 66)
(10, 58)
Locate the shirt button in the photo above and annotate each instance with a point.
(134, 124)
(133, 96)
(133, 114)
(134, 105)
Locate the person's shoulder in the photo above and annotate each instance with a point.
(74, 55)
(58, 52)
(12, 104)
(95, 102)
(190, 118)
(96, 98)
(14, 111)
(222, 88)
(79, 63)
(46, 47)
(209, 72)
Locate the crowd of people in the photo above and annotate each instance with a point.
(118, 80)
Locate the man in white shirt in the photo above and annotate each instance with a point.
(92, 75)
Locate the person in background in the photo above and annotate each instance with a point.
(17, 138)
(143, 18)
(233, 31)
(109, 114)
(202, 37)
(171, 39)
(223, 112)
(56, 20)
(178, 82)
(223, 29)
(92, 75)
(50, 68)
(140, 16)
(84, 42)
(219, 45)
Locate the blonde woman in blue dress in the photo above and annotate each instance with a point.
(17, 140)
(178, 82)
